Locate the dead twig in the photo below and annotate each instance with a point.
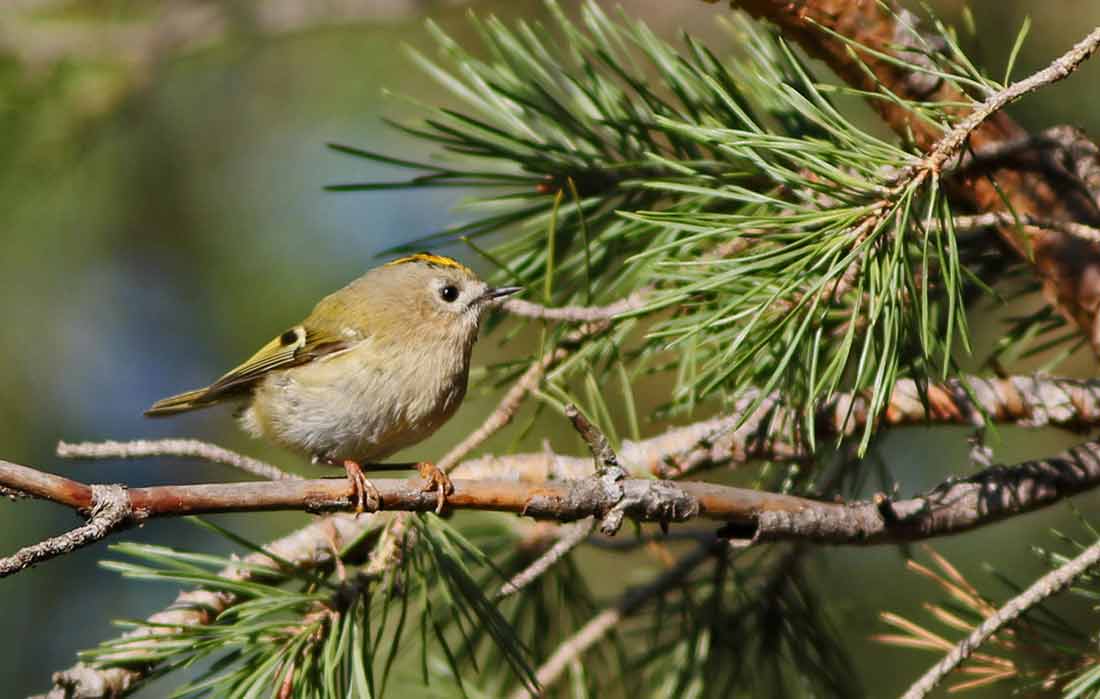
(580, 314)
(511, 402)
(142, 448)
(110, 508)
(631, 601)
(1054, 581)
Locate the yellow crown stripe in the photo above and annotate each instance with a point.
(430, 259)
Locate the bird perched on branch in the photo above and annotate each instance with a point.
(376, 367)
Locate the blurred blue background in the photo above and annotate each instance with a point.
(163, 216)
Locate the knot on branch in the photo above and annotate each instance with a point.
(110, 506)
(654, 501)
(611, 482)
(83, 682)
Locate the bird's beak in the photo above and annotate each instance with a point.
(500, 292)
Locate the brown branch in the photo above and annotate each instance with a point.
(1021, 400)
(1066, 265)
(956, 506)
(1054, 581)
(757, 516)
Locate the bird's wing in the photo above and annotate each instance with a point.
(299, 345)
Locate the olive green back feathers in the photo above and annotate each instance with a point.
(296, 346)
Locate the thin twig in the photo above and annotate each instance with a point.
(990, 219)
(603, 456)
(952, 143)
(109, 509)
(570, 536)
(142, 448)
(1054, 581)
(511, 402)
(631, 601)
(580, 314)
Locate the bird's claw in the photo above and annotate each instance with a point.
(362, 490)
(438, 481)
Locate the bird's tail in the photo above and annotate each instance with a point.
(192, 400)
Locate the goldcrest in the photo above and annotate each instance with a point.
(376, 367)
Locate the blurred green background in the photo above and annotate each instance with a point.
(162, 215)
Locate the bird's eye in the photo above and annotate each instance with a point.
(449, 293)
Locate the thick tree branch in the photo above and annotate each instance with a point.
(1021, 400)
(1054, 581)
(1067, 265)
(755, 516)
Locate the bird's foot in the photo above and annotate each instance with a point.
(438, 481)
(362, 490)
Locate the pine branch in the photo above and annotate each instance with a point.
(1049, 584)
(108, 508)
(773, 431)
(752, 515)
(311, 546)
(872, 46)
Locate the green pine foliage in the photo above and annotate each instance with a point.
(781, 245)
(337, 632)
(790, 248)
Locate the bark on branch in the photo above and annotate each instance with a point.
(773, 430)
(756, 516)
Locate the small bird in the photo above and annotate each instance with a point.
(376, 367)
